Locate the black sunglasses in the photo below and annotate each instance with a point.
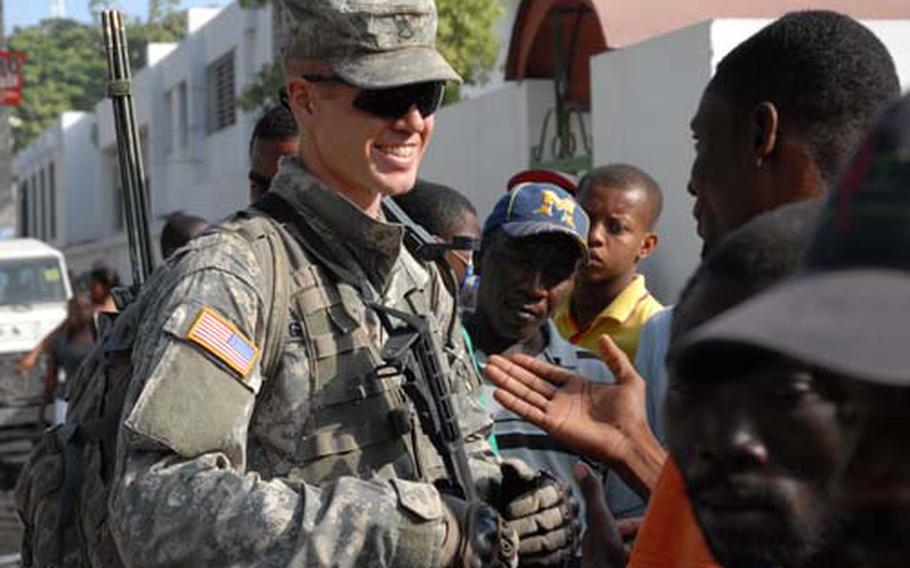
(393, 102)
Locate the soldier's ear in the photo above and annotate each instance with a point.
(302, 98)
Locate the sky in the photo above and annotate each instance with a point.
(26, 12)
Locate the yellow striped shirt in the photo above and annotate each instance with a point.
(621, 320)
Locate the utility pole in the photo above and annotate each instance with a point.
(7, 206)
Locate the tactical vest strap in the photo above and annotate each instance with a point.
(329, 345)
(359, 436)
(315, 299)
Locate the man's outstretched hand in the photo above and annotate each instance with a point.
(605, 421)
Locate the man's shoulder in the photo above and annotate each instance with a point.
(659, 322)
(225, 245)
(222, 251)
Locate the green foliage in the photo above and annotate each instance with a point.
(467, 37)
(263, 91)
(165, 28)
(160, 10)
(66, 69)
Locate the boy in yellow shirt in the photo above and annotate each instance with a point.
(609, 295)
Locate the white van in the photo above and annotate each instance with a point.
(34, 289)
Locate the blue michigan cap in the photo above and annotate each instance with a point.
(538, 208)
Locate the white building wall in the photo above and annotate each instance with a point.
(66, 157)
(224, 154)
(77, 179)
(643, 98)
(27, 167)
(481, 142)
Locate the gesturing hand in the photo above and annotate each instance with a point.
(605, 421)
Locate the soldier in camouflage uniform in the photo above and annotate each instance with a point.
(321, 462)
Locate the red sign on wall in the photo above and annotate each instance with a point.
(11, 64)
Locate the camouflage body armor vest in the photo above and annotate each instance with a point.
(346, 413)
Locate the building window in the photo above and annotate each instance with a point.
(219, 93)
(23, 208)
(167, 130)
(33, 213)
(42, 207)
(52, 201)
(183, 116)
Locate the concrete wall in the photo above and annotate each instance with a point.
(27, 167)
(643, 99)
(77, 180)
(66, 151)
(480, 143)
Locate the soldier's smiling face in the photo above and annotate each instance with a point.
(364, 152)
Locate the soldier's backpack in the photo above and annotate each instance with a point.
(62, 492)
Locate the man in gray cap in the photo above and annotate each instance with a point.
(226, 459)
(812, 379)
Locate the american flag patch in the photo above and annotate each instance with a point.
(222, 339)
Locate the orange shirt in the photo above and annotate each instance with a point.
(669, 536)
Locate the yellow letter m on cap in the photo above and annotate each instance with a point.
(564, 205)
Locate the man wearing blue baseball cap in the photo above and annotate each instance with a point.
(533, 242)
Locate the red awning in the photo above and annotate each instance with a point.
(581, 31)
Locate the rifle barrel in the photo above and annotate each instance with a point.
(132, 171)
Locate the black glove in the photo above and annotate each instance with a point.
(541, 510)
(476, 536)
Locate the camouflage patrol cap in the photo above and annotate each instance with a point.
(372, 44)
